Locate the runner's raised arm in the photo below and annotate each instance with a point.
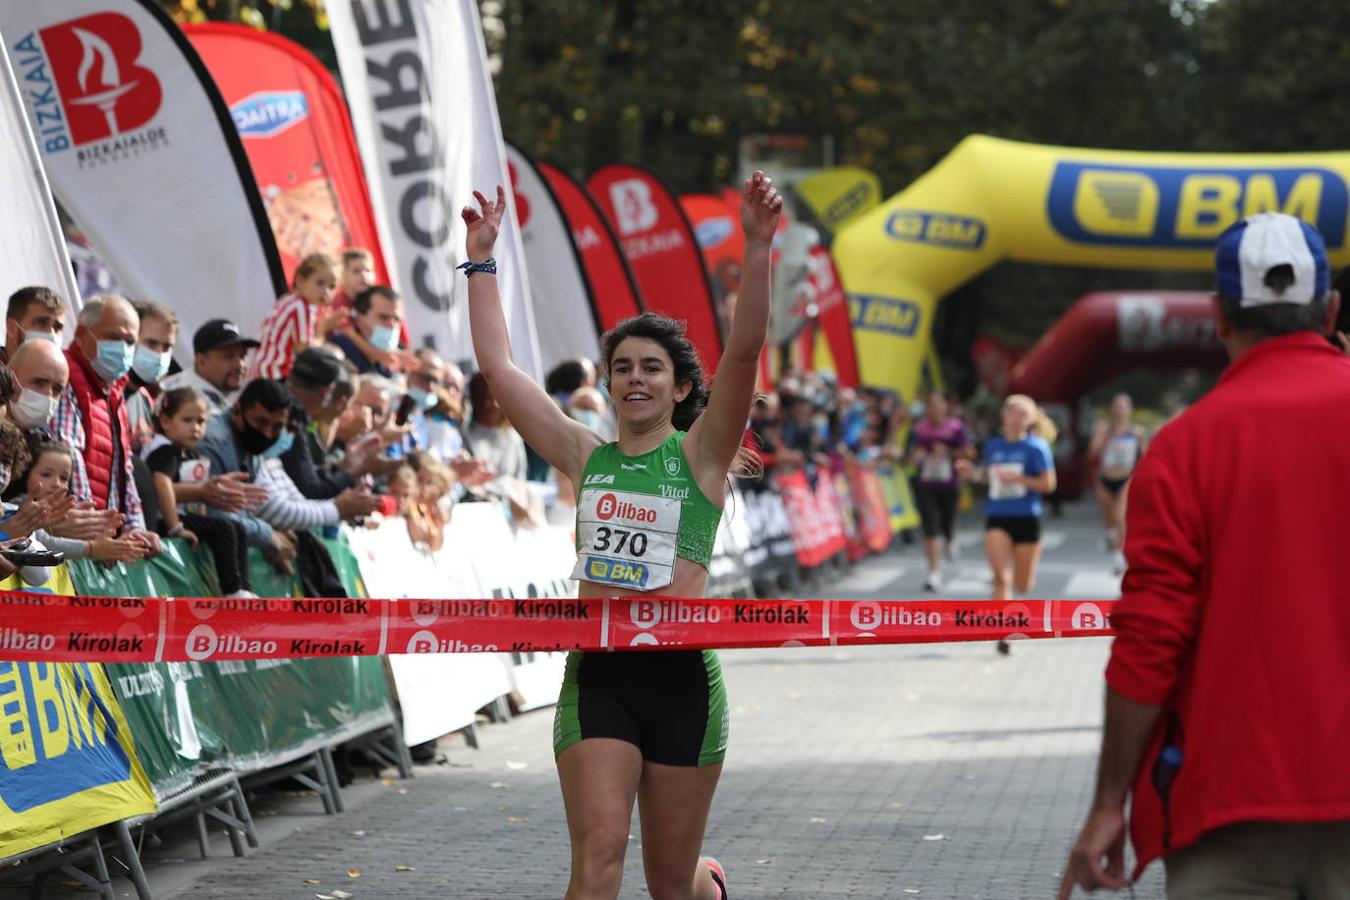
(562, 441)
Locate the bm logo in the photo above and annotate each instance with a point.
(1153, 206)
(940, 229)
(885, 314)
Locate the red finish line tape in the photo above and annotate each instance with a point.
(51, 628)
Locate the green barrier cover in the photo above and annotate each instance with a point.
(189, 718)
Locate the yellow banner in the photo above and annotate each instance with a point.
(67, 762)
(992, 199)
(838, 196)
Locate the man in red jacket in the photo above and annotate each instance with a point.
(91, 416)
(1228, 689)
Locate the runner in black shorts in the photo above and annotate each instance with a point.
(1020, 469)
(939, 440)
(648, 727)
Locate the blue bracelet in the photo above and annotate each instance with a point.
(489, 266)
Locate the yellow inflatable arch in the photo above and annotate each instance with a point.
(992, 199)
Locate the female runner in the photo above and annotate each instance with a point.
(1020, 469)
(645, 726)
(1117, 447)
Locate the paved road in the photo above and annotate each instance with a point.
(938, 771)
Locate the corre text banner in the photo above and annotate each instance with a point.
(45, 627)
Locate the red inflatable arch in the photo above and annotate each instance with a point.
(1101, 336)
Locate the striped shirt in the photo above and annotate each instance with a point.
(291, 322)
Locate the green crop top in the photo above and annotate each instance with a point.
(636, 514)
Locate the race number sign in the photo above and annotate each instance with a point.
(1002, 483)
(626, 539)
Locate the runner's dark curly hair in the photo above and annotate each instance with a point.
(670, 334)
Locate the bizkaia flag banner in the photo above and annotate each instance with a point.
(614, 292)
(294, 126)
(32, 248)
(566, 320)
(141, 152)
(426, 123)
(660, 247)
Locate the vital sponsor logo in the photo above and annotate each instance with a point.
(609, 507)
(268, 113)
(14, 639)
(761, 614)
(617, 571)
(572, 610)
(938, 229)
(969, 618)
(58, 737)
(885, 314)
(711, 232)
(634, 211)
(203, 642)
(869, 615)
(648, 613)
(671, 492)
(1187, 208)
(598, 479)
(427, 642)
(87, 90)
(336, 647)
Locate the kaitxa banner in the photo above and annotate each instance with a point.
(32, 248)
(426, 124)
(659, 244)
(142, 153)
(717, 227)
(613, 289)
(294, 125)
(566, 320)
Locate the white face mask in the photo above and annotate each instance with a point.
(49, 336)
(32, 410)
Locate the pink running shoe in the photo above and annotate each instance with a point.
(719, 875)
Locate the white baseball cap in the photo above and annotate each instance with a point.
(1250, 252)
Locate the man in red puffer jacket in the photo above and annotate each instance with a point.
(91, 416)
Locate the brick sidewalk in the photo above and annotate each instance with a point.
(939, 771)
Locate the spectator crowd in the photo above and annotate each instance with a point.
(266, 438)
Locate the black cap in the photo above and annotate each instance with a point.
(219, 333)
(316, 367)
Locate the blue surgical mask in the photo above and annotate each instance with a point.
(590, 418)
(279, 446)
(384, 338)
(49, 336)
(113, 359)
(425, 399)
(148, 365)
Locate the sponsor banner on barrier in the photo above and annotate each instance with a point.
(67, 761)
(45, 628)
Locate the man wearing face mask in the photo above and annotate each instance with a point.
(251, 437)
(34, 314)
(378, 315)
(91, 416)
(154, 353)
(314, 372)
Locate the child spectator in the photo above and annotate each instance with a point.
(358, 275)
(304, 316)
(47, 478)
(180, 471)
